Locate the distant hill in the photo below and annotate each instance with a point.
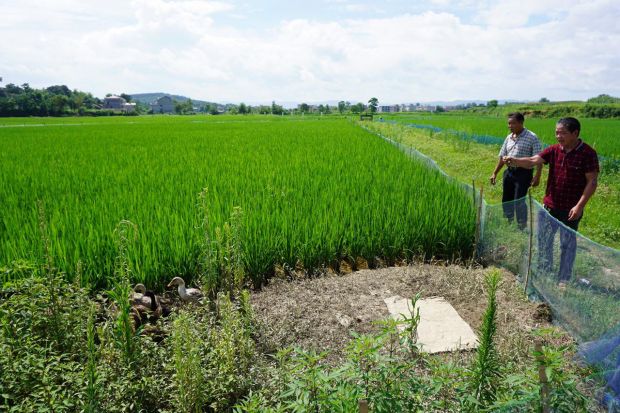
(148, 98)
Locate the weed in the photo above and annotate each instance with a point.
(486, 373)
(188, 374)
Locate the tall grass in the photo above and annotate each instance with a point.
(312, 192)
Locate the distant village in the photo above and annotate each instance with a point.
(60, 100)
(166, 105)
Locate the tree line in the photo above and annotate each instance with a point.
(55, 100)
(60, 100)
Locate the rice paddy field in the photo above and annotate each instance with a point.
(311, 191)
(602, 134)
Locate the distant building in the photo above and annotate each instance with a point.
(163, 105)
(388, 109)
(426, 108)
(117, 103)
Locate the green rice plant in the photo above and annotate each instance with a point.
(312, 192)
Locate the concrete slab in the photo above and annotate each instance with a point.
(441, 328)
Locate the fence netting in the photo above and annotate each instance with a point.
(578, 278)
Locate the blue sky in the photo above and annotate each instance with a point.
(259, 51)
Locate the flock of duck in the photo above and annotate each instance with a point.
(148, 307)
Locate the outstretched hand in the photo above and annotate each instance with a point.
(575, 213)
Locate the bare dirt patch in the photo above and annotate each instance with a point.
(321, 313)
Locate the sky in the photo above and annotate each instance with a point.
(290, 51)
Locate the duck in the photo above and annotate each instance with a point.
(139, 296)
(159, 308)
(141, 313)
(186, 294)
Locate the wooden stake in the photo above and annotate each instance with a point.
(363, 406)
(531, 242)
(473, 190)
(478, 219)
(542, 377)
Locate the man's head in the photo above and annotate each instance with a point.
(515, 122)
(567, 132)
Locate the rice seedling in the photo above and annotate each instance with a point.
(312, 192)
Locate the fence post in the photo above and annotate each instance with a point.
(531, 241)
(473, 190)
(478, 219)
(542, 377)
(363, 406)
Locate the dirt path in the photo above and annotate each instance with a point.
(320, 313)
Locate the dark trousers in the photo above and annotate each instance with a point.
(547, 227)
(516, 183)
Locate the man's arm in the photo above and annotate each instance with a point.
(528, 162)
(536, 178)
(498, 167)
(591, 182)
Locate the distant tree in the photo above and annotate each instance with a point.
(328, 109)
(242, 109)
(440, 109)
(276, 109)
(184, 108)
(373, 103)
(59, 90)
(304, 108)
(321, 108)
(126, 97)
(492, 103)
(342, 106)
(544, 100)
(604, 99)
(212, 109)
(58, 104)
(357, 108)
(12, 89)
(263, 109)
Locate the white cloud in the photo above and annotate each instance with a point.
(186, 47)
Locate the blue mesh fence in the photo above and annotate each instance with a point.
(578, 278)
(607, 162)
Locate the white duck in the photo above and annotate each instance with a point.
(139, 297)
(186, 294)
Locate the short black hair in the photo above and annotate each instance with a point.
(571, 124)
(518, 116)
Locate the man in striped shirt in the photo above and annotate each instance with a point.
(520, 143)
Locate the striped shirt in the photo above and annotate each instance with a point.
(523, 146)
